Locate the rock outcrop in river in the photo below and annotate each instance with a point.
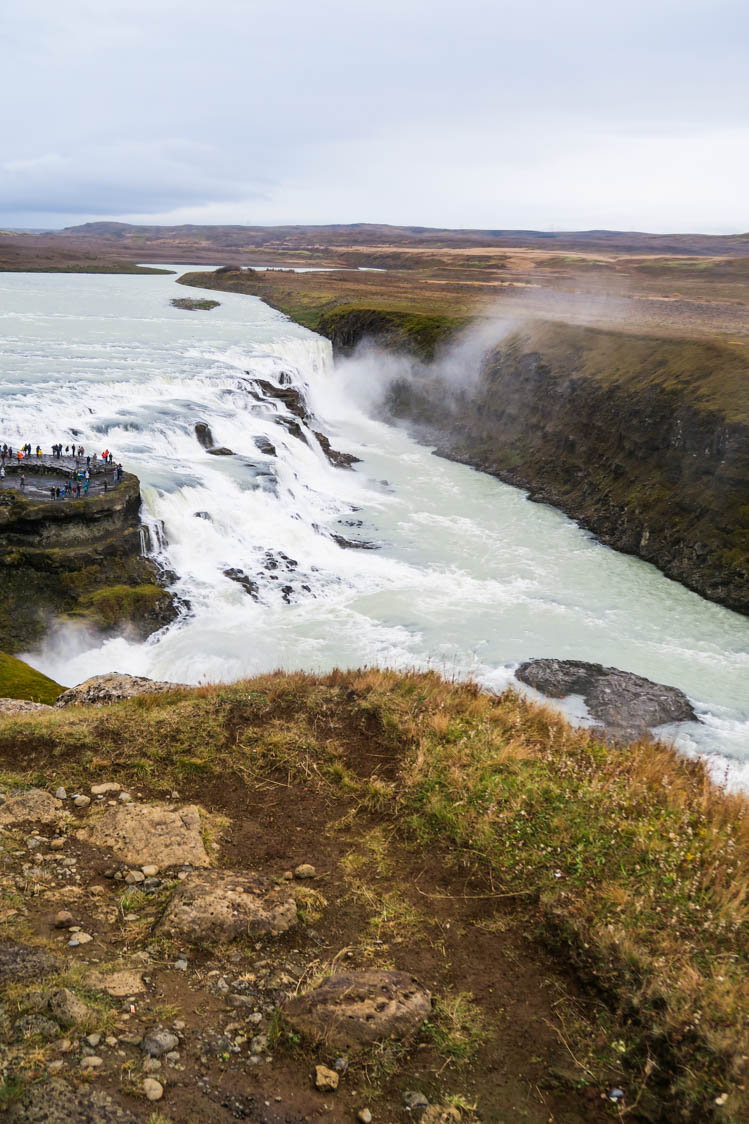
(627, 705)
(79, 559)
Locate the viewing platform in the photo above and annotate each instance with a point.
(44, 475)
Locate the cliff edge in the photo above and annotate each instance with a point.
(76, 559)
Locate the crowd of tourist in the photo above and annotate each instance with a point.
(78, 476)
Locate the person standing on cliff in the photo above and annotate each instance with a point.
(23, 481)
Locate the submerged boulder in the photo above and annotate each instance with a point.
(627, 705)
(357, 1008)
(204, 434)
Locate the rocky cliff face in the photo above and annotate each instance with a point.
(76, 559)
(629, 436)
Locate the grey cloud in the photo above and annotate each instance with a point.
(354, 109)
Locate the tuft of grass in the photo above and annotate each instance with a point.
(457, 1027)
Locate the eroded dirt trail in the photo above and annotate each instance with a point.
(495, 1039)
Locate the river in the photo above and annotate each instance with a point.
(470, 577)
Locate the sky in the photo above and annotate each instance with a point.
(530, 114)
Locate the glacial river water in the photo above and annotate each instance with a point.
(469, 578)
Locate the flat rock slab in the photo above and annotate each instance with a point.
(358, 1008)
(23, 961)
(19, 706)
(147, 834)
(627, 705)
(34, 806)
(119, 984)
(103, 689)
(222, 905)
(55, 1102)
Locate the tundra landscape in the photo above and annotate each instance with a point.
(374, 562)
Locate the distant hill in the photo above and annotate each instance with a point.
(370, 234)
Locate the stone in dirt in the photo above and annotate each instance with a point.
(325, 1079)
(114, 687)
(440, 1114)
(153, 1089)
(66, 1008)
(627, 705)
(35, 1025)
(357, 1008)
(55, 1102)
(222, 905)
(18, 706)
(23, 961)
(144, 834)
(105, 789)
(158, 1042)
(34, 806)
(118, 984)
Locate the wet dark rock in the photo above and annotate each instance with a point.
(203, 515)
(204, 435)
(279, 561)
(220, 451)
(241, 578)
(627, 705)
(265, 446)
(292, 427)
(354, 544)
(336, 458)
(55, 1102)
(292, 398)
(23, 961)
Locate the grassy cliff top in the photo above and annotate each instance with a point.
(659, 344)
(626, 863)
(712, 375)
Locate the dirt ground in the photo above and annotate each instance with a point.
(498, 1043)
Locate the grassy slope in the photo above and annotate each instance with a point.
(628, 862)
(711, 376)
(19, 681)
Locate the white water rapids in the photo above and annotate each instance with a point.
(470, 578)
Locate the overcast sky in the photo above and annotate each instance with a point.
(546, 114)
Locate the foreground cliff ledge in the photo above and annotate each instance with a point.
(500, 914)
(75, 560)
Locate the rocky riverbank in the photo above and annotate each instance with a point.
(76, 560)
(644, 441)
